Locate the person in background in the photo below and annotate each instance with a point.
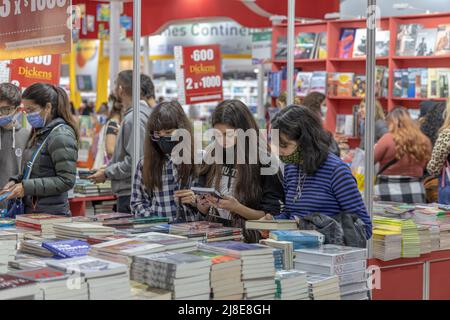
(108, 133)
(281, 101)
(433, 120)
(89, 109)
(402, 154)
(148, 91)
(53, 146)
(13, 138)
(247, 194)
(439, 163)
(160, 100)
(119, 168)
(162, 188)
(315, 180)
(380, 121)
(314, 102)
(103, 113)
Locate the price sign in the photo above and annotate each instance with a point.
(25, 72)
(198, 74)
(34, 27)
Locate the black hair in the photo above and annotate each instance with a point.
(43, 93)
(433, 121)
(314, 101)
(125, 80)
(302, 125)
(10, 93)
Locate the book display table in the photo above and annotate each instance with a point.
(424, 278)
(78, 204)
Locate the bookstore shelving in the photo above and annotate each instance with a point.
(407, 44)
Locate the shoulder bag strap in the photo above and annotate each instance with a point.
(387, 165)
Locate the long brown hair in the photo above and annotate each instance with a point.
(409, 140)
(165, 116)
(247, 187)
(43, 93)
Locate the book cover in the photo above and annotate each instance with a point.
(331, 254)
(42, 274)
(426, 42)
(344, 84)
(411, 83)
(111, 216)
(382, 43)
(67, 248)
(406, 39)
(405, 83)
(8, 281)
(303, 83)
(319, 82)
(346, 41)
(432, 83)
(442, 40)
(398, 83)
(322, 47)
(359, 86)
(304, 45)
(360, 46)
(281, 48)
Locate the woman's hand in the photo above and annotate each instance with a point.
(228, 203)
(7, 187)
(17, 191)
(185, 196)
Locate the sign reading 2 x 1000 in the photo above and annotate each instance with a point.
(35, 5)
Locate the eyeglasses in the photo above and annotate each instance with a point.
(31, 109)
(7, 110)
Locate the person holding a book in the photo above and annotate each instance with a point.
(162, 186)
(51, 154)
(315, 180)
(402, 154)
(248, 192)
(13, 138)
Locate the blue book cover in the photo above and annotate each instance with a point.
(67, 248)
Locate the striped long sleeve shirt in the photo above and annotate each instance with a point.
(331, 190)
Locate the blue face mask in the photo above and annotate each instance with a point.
(4, 121)
(35, 120)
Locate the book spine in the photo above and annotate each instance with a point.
(28, 225)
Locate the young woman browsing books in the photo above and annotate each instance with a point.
(162, 188)
(248, 193)
(315, 180)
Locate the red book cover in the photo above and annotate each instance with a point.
(346, 42)
(28, 225)
(8, 281)
(41, 274)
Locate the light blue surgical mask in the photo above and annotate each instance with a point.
(6, 120)
(36, 120)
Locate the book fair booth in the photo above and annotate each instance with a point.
(297, 48)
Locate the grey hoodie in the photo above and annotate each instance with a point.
(12, 144)
(119, 169)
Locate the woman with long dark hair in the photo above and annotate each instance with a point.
(248, 192)
(315, 180)
(403, 154)
(162, 186)
(51, 154)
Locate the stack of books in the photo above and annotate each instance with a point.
(105, 280)
(104, 207)
(185, 275)
(258, 270)
(278, 259)
(225, 279)
(425, 239)
(291, 285)
(34, 247)
(170, 242)
(206, 231)
(54, 284)
(434, 238)
(15, 288)
(348, 262)
(42, 222)
(81, 231)
(85, 188)
(123, 250)
(142, 291)
(287, 248)
(299, 238)
(387, 245)
(323, 287)
(271, 225)
(8, 249)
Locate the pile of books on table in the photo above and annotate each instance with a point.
(299, 238)
(271, 225)
(287, 251)
(104, 206)
(185, 275)
(41, 222)
(258, 271)
(81, 231)
(225, 279)
(387, 245)
(105, 280)
(130, 225)
(54, 284)
(86, 188)
(323, 287)
(206, 231)
(15, 288)
(347, 263)
(8, 249)
(291, 285)
(141, 291)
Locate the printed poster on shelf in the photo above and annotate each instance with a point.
(261, 47)
(198, 71)
(25, 72)
(86, 66)
(32, 28)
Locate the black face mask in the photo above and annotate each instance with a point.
(166, 144)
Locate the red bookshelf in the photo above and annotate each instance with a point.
(343, 105)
